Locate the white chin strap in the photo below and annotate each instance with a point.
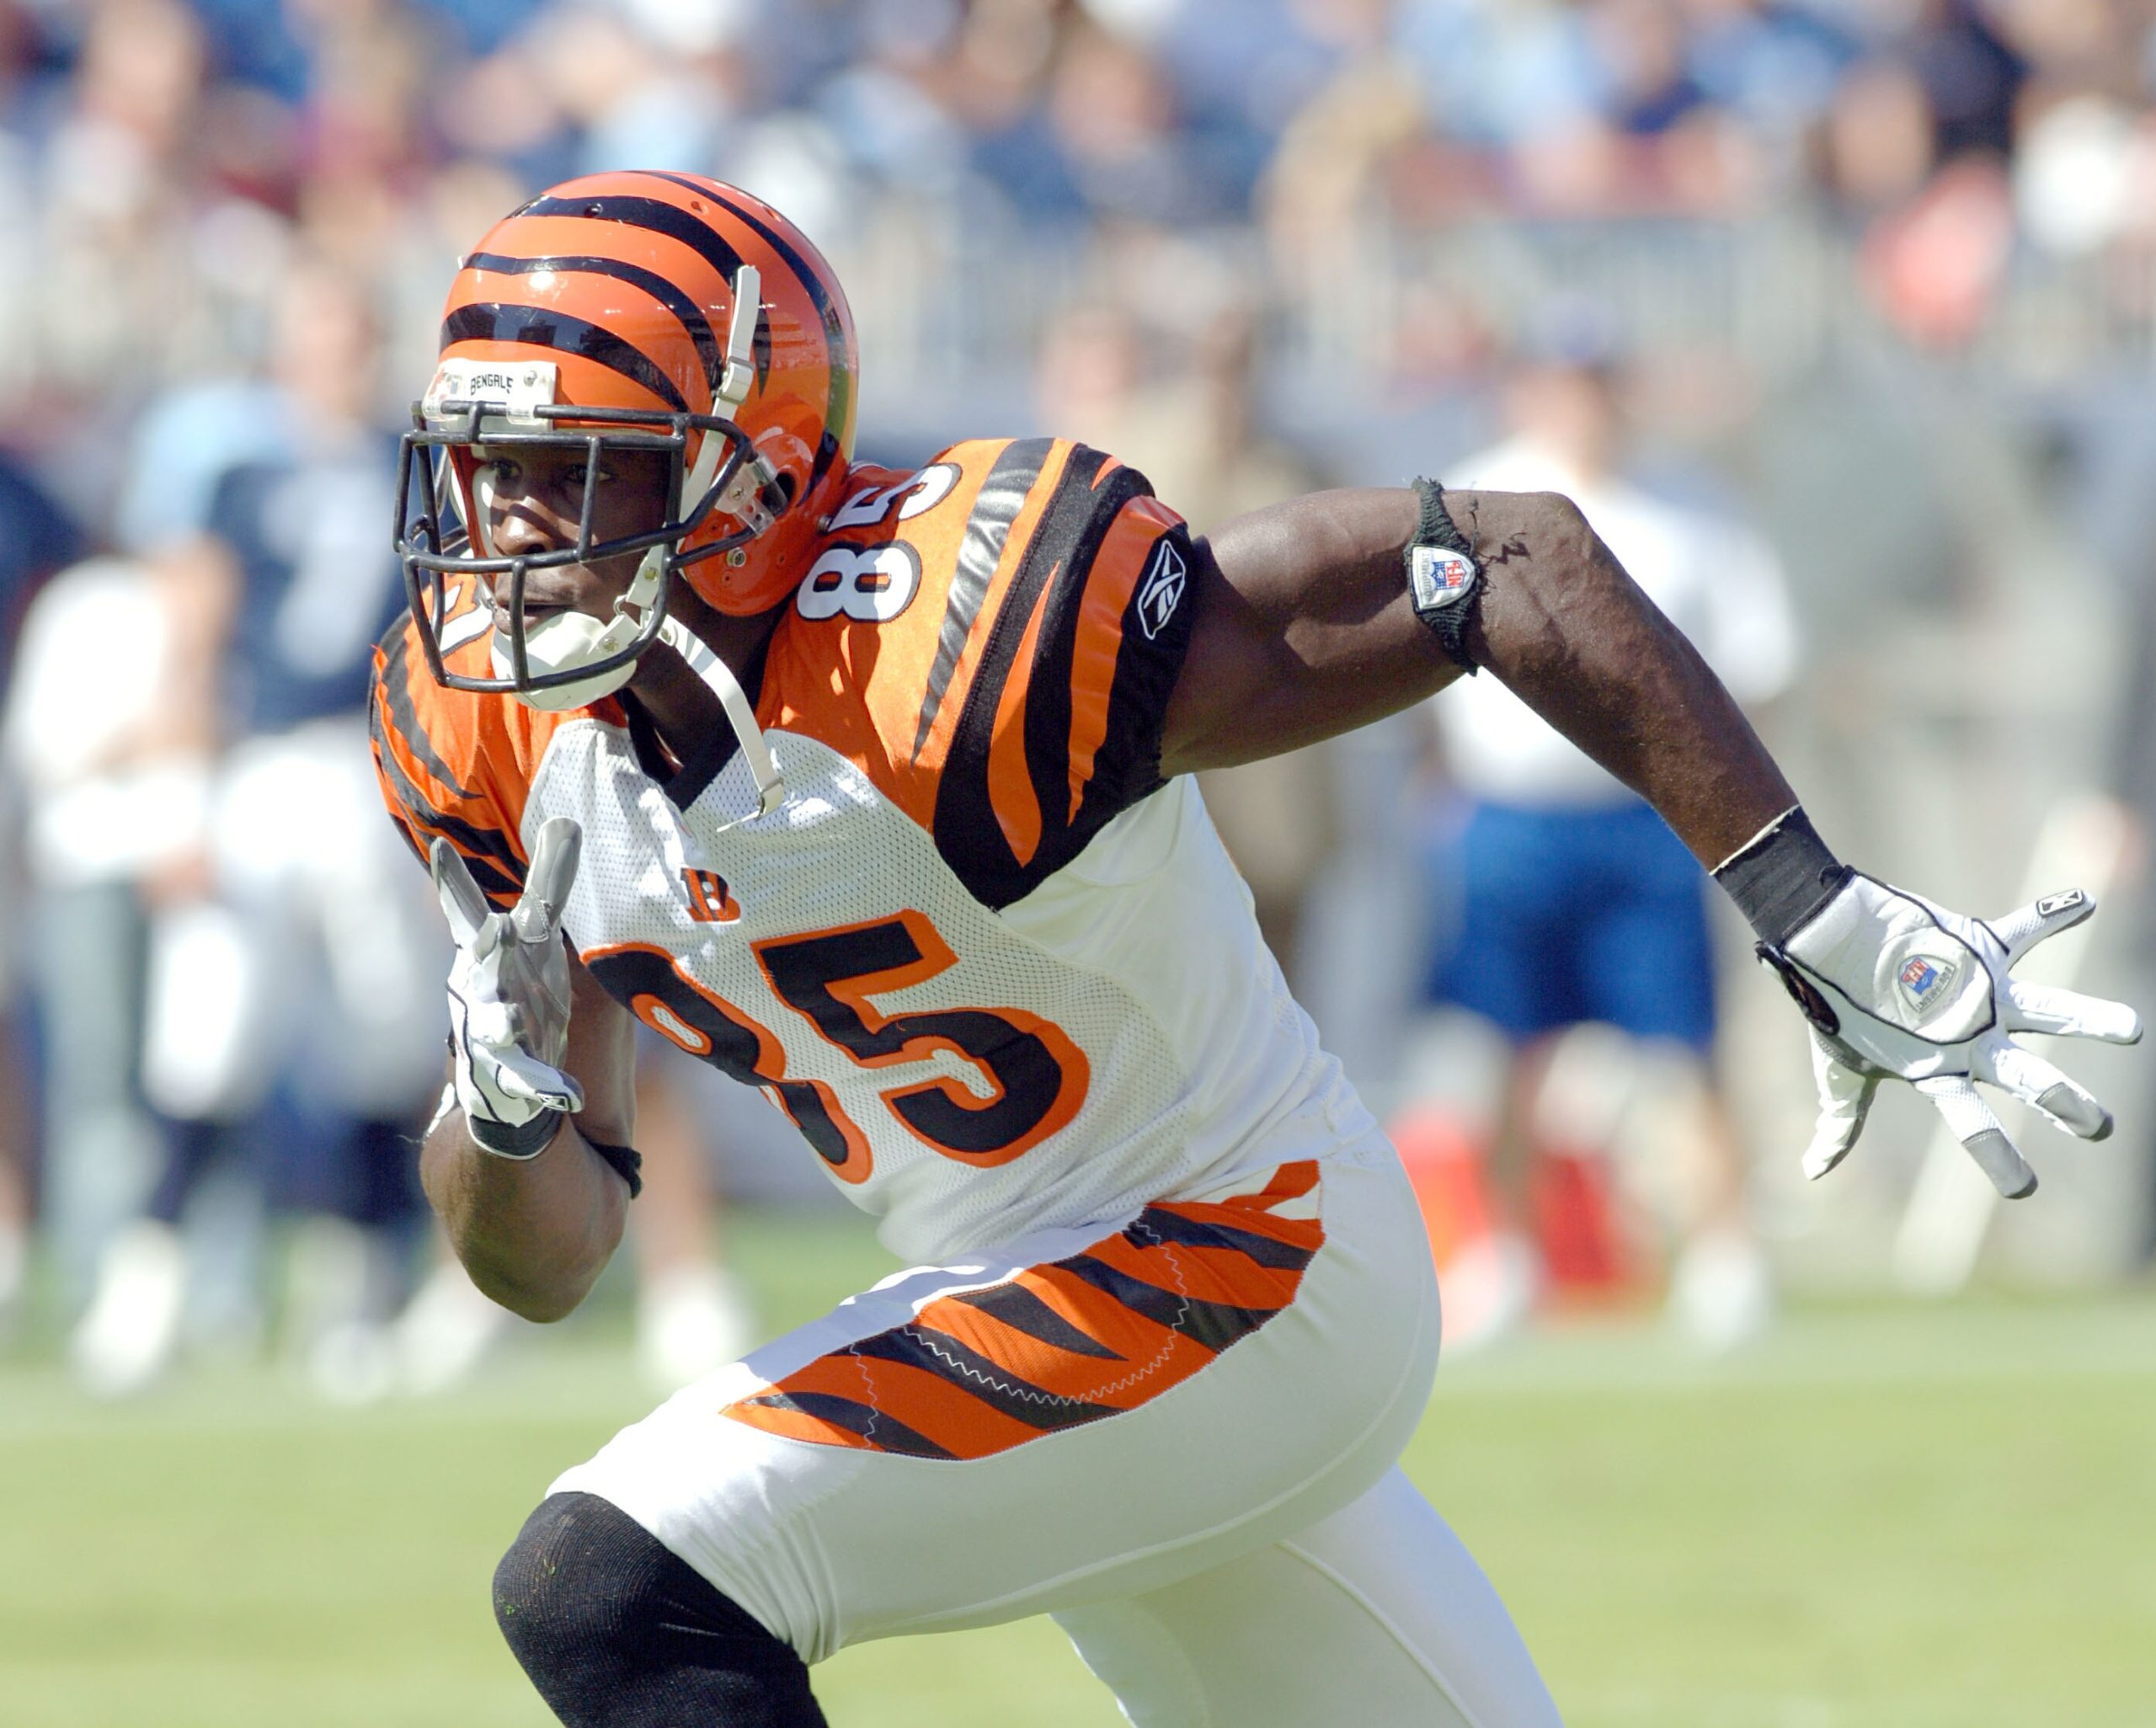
(564, 641)
(718, 676)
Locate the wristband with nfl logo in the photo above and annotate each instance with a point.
(1442, 578)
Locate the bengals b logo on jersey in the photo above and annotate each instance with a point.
(710, 900)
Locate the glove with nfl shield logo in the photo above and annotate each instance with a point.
(1894, 985)
(509, 997)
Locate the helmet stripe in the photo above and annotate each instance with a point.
(666, 293)
(538, 327)
(658, 217)
(653, 213)
(810, 278)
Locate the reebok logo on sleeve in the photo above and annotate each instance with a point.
(1161, 591)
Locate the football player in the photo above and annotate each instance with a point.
(873, 789)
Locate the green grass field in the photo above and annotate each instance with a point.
(1885, 1517)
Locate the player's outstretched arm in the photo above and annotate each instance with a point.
(542, 1072)
(1307, 627)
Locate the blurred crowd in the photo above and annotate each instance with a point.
(1250, 245)
(162, 161)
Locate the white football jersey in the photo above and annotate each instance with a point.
(1000, 976)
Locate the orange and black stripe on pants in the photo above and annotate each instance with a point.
(1058, 1345)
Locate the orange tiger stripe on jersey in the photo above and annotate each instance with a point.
(924, 1400)
(1122, 563)
(1010, 792)
(455, 765)
(1024, 527)
(813, 1418)
(1244, 1219)
(995, 702)
(1058, 1346)
(1080, 1381)
(860, 687)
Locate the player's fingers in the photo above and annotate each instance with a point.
(1844, 1099)
(2036, 1082)
(2021, 930)
(462, 903)
(1970, 1121)
(547, 884)
(2044, 1008)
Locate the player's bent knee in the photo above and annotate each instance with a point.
(617, 1631)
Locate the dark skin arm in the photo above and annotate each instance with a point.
(1304, 631)
(535, 1233)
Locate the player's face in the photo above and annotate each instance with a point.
(532, 500)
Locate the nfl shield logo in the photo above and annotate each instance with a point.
(1924, 980)
(1437, 577)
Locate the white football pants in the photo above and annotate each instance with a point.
(1374, 1617)
(1175, 1432)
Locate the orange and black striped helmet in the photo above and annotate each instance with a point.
(637, 310)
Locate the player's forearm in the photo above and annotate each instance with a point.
(1307, 630)
(1562, 624)
(534, 1234)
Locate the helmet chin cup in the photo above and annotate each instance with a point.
(562, 642)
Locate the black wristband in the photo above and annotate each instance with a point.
(1444, 580)
(627, 1160)
(1781, 879)
(517, 1140)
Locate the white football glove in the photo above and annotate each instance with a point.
(1896, 986)
(508, 996)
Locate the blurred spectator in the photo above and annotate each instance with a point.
(1877, 146)
(1181, 406)
(1570, 900)
(293, 984)
(106, 798)
(1972, 74)
(35, 539)
(647, 84)
(116, 283)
